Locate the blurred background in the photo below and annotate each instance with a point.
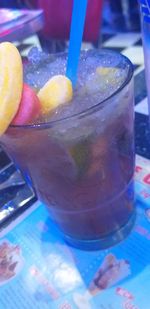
(50, 20)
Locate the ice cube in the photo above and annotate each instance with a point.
(36, 56)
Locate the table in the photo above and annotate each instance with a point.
(19, 24)
(53, 275)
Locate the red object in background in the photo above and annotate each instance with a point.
(58, 19)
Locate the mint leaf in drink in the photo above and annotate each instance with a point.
(80, 153)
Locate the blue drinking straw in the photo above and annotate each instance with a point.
(76, 34)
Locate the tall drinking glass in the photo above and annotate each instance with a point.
(145, 23)
(82, 164)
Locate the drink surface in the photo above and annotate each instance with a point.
(99, 76)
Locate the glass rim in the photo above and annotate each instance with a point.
(88, 111)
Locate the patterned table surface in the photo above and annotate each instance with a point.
(16, 199)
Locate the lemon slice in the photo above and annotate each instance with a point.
(109, 75)
(11, 83)
(57, 91)
(104, 71)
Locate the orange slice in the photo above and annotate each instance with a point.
(57, 91)
(11, 83)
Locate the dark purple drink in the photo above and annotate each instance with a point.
(81, 158)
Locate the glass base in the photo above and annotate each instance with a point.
(106, 242)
